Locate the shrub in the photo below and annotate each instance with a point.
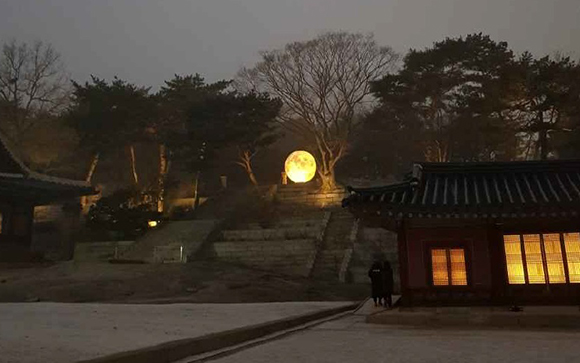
(124, 213)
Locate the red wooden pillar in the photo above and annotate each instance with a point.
(403, 262)
(497, 263)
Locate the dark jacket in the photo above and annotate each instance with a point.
(376, 276)
(387, 277)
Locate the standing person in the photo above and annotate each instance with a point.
(375, 274)
(387, 279)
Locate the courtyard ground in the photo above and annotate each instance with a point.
(350, 339)
(61, 332)
(196, 282)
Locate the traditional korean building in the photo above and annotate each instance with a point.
(24, 193)
(482, 233)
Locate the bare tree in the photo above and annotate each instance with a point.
(33, 84)
(323, 85)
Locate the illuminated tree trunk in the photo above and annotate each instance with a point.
(88, 178)
(163, 169)
(196, 191)
(92, 167)
(134, 165)
(327, 161)
(246, 163)
(252, 177)
(328, 180)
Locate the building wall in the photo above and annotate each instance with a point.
(15, 236)
(474, 238)
(54, 230)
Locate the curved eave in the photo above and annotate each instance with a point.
(36, 190)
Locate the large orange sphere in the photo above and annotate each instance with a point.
(300, 166)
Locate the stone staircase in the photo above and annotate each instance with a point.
(287, 246)
(297, 231)
(183, 237)
(334, 245)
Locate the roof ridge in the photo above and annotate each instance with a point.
(526, 165)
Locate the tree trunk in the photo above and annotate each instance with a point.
(542, 143)
(252, 177)
(328, 181)
(195, 191)
(246, 163)
(92, 167)
(163, 168)
(88, 178)
(328, 160)
(134, 165)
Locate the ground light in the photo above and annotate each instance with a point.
(300, 166)
(152, 224)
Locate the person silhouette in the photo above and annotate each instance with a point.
(376, 276)
(387, 281)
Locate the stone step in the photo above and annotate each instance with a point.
(276, 247)
(270, 234)
(314, 221)
(292, 257)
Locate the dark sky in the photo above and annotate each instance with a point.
(147, 41)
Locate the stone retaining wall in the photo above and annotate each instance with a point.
(372, 244)
(315, 199)
(173, 253)
(100, 251)
(292, 257)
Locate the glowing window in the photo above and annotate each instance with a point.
(448, 266)
(544, 258)
(513, 256)
(572, 246)
(440, 268)
(554, 260)
(458, 272)
(534, 263)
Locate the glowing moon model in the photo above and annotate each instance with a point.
(300, 166)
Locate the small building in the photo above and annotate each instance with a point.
(482, 233)
(24, 194)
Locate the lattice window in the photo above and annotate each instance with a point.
(542, 258)
(440, 267)
(554, 258)
(572, 246)
(513, 256)
(534, 261)
(448, 267)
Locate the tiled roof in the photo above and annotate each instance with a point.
(478, 189)
(15, 188)
(13, 171)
